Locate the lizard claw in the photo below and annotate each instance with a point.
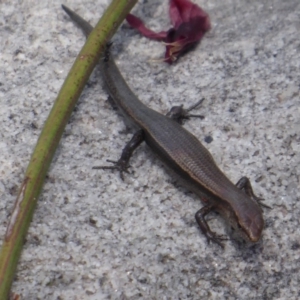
(212, 237)
(119, 165)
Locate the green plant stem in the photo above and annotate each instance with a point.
(50, 137)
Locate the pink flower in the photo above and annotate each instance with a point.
(189, 21)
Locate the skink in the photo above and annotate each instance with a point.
(184, 154)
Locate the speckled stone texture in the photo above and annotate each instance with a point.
(96, 237)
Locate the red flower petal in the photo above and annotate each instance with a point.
(138, 24)
(182, 11)
(185, 36)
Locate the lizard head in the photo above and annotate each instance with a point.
(249, 221)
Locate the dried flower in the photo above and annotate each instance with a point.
(189, 21)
